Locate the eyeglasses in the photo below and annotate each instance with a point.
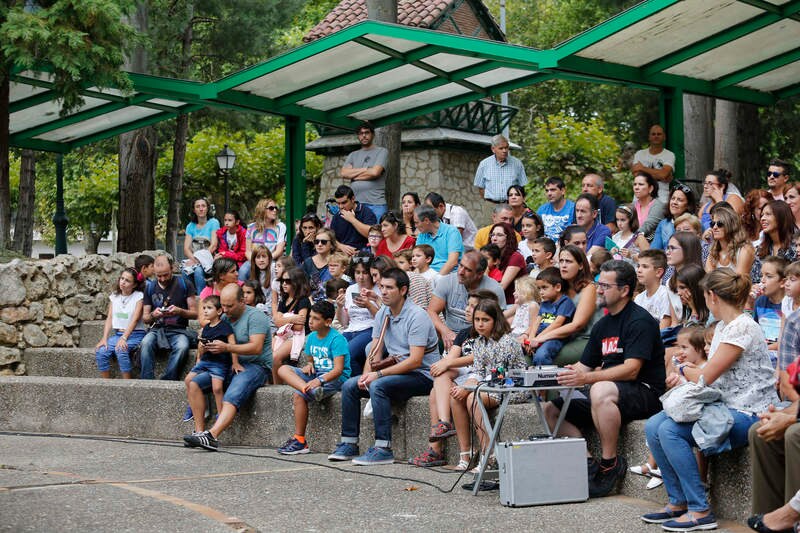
(774, 174)
(321, 241)
(605, 286)
(717, 224)
(272, 208)
(375, 237)
(672, 248)
(363, 259)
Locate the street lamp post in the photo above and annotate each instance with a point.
(225, 161)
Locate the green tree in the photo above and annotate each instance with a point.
(78, 41)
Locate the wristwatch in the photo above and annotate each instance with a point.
(321, 380)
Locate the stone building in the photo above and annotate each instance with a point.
(440, 151)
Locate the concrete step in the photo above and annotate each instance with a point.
(153, 409)
(80, 363)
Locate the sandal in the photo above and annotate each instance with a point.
(646, 470)
(464, 460)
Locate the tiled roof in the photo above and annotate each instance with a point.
(419, 13)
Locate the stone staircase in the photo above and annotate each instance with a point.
(63, 394)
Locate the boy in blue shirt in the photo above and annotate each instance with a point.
(555, 311)
(320, 378)
(767, 307)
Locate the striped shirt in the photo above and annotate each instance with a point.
(495, 177)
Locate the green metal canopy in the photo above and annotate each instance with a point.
(742, 50)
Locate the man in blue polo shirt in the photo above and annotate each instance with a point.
(586, 216)
(351, 224)
(445, 239)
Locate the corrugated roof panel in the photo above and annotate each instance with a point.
(498, 76)
(43, 113)
(451, 62)
(168, 103)
(97, 124)
(371, 86)
(667, 31)
(775, 79)
(339, 60)
(20, 91)
(755, 47)
(399, 45)
(412, 101)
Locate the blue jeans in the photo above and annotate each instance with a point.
(357, 342)
(382, 392)
(198, 277)
(547, 352)
(377, 209)
(179, 349)
(242, 385)
(672, 446)
(330, 387)
(103, 355)
(244, 271)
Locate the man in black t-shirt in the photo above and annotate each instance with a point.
(623, 365)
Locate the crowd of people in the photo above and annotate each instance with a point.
(386, 305)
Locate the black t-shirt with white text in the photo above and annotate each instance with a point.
(630, 334)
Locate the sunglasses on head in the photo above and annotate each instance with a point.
(685, 189)
(365, 260)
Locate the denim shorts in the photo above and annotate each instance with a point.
(330, 387)
(217, 369)
(242, 386)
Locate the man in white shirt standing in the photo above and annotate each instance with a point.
(656, 161)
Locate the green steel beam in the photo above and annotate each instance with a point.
(611, 26)
(169, 88)
(721, 38)
(766, 6)
(758, 69)
(788, 92)
(417, 88)
(461, 99)
(295, 159)
(612, 71)
(37, 144)
(356, 75)
(670, 105)
(31, 101)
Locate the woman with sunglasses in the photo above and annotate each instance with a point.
(681, 200)
(303, 242)
(292, 311)
(715, 188)
(265, 229)
(512, 264)
(408, 203)
(316, 266)
(356, 310)
(754, 202)
(729, 247)
(649, 209)
(516, 201)
(394, 238)
(777, 224)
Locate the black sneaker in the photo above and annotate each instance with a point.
(202, 440)
(606, 479)
(592, 467)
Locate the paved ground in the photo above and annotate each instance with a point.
(54, 483)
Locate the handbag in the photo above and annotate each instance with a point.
(376, 361)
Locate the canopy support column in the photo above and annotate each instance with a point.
(670, 107)
(295, 135)
(60, 219)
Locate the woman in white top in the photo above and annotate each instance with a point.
(124, 329)
(356, 310)
(740, 368)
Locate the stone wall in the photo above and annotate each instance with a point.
(43, 302)
(446, 171)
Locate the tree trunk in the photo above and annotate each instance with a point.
(91, 240)
(137, 167)
(179, 148)
(751, 164)
(23, 225)
(388, 136)
(698, 137)
(725, 137)
(5, 186)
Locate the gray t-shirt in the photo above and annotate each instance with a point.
(369, 191)
(412, 327)
(455, 296)
(253, 322)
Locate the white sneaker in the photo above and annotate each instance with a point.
(654, 482)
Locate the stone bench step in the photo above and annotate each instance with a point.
(80, 363)
(153, 409)
(92, 330)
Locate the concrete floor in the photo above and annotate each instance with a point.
(58, 483)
